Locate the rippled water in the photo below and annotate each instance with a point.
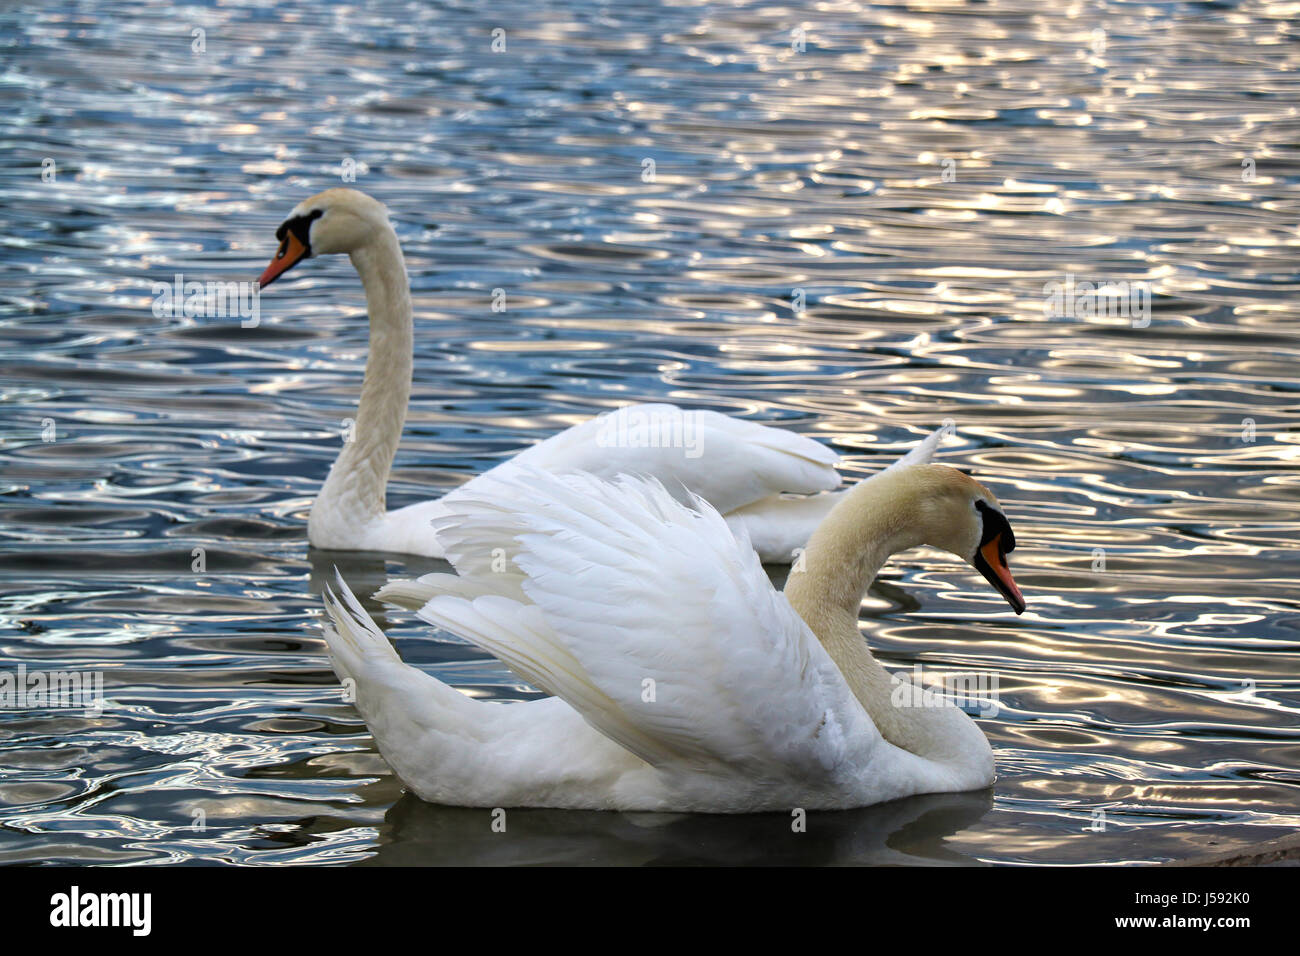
(919, 170)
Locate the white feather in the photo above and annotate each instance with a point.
(681, 679)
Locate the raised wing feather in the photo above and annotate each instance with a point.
(654, 622)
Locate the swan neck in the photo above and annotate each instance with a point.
(876, 519)
(873, 521)
(354, 490)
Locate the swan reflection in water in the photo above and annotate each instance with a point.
(912, 831)
(367, 572)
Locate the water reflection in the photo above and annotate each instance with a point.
(904, 832)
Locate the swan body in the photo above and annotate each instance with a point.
(742, 476)
(735, 465)
(680, 679)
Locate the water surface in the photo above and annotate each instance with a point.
(919, 170)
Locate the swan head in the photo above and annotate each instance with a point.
(963, 517)
(335, 221)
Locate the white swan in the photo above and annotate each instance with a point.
(681, 680)
(740, 467)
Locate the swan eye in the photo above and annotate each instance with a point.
(300, 226)
(996, 526)
(294, 236)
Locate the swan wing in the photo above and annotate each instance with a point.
(653, 621)
(779, 526)
(726, 461)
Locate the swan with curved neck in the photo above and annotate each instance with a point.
(924, 505)
(680, 679)
(742, 468)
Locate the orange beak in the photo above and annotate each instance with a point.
(995, 570)
(292, 251)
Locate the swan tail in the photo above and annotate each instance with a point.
(429, 733)
(779, 526)
(354, 639)
(924, 451)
